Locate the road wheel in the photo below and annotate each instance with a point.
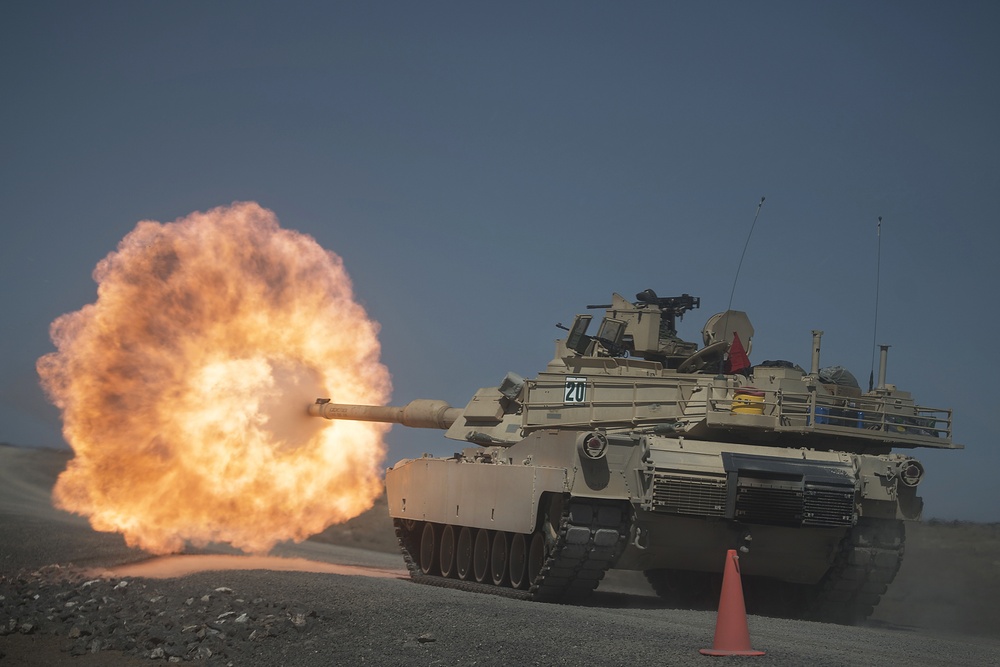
(428, 549)
(463, 556)
(447, 560)
(518, 561)
(481, 556)
(498, 558)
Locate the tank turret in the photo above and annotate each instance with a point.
(636, 449)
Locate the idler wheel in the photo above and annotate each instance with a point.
(536, 556)
(498, 558)
(428, 550)
(518, 561)
(481, 556)
(447, 561)
(463, 556)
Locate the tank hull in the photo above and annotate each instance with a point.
(672, 508)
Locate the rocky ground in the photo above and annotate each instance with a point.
(175, 620)
(63, 602)
(138, 618)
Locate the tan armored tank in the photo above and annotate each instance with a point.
(637, 450)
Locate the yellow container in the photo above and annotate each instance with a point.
(748, 402)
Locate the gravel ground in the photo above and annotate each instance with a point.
(55, 615)
(291, 618)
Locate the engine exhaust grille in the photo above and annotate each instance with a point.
(768, 504)
(677, 493)
(794, 504)
(757, 489)
(828, 506)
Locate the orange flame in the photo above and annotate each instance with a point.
(184, 388)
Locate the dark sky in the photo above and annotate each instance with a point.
(486, 170)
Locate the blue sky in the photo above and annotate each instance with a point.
(486, 170)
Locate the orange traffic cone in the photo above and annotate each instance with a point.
(732, 636)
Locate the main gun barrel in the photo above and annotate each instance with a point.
(420, 413)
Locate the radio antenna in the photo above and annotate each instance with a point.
(725, 323)
(740, 265)
(878, 271)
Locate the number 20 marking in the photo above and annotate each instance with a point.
(576, 390)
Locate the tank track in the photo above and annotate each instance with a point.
(582, 545)
(868, 561)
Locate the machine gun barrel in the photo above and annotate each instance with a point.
(420, 413)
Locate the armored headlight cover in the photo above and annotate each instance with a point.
(911, 472)
(594, 445)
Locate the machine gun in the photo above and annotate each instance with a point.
(646, 327)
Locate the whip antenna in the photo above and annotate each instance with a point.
(725, 323)
(878, 270)
(740, 265)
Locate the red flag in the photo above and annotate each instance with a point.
(737, 361)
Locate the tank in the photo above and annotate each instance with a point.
(636, 450)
